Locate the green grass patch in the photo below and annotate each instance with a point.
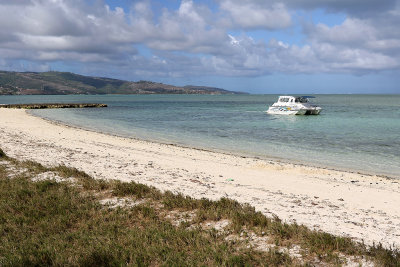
(50, 223)
(321, 245)
(135, 190)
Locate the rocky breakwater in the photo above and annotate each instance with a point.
(53, 105)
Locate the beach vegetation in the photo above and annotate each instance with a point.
(136, 190)
(50, 223)
(47, 222)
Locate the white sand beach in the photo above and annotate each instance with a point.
(364, 207)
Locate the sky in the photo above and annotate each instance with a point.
(255, 46)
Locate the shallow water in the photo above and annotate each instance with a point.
(357, 132)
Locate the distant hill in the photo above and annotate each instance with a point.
(66, 83)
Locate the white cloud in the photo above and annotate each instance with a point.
(256, 14)
(351, 31)
(51, 27)
(357, 44)
(194, 39)
(352, 7)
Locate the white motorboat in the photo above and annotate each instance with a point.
(291, 105)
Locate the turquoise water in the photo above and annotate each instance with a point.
(357, 132)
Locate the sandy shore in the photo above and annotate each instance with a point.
(364, 207)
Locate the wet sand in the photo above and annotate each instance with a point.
(363, 207)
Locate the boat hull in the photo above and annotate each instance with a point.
(314, 111)
(286, 111)
(292, 111)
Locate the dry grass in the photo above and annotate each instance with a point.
(50, 223)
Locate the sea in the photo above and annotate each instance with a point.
(359, 133)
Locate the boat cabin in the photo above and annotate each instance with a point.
(296, 105)
(292, 99)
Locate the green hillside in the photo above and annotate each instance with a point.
(65, 83)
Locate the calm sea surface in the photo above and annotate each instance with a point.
(357, 132)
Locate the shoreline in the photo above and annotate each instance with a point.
(361, 206)
(226, 152)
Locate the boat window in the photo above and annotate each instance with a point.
(285, 99)
(301, 100)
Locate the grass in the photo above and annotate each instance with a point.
(50, 223)
(56, 225)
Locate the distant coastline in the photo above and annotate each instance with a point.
(67, 83)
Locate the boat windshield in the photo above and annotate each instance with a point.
(301, 100)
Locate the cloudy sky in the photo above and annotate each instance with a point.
(258, 46)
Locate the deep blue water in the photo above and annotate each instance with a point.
(357, 132)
